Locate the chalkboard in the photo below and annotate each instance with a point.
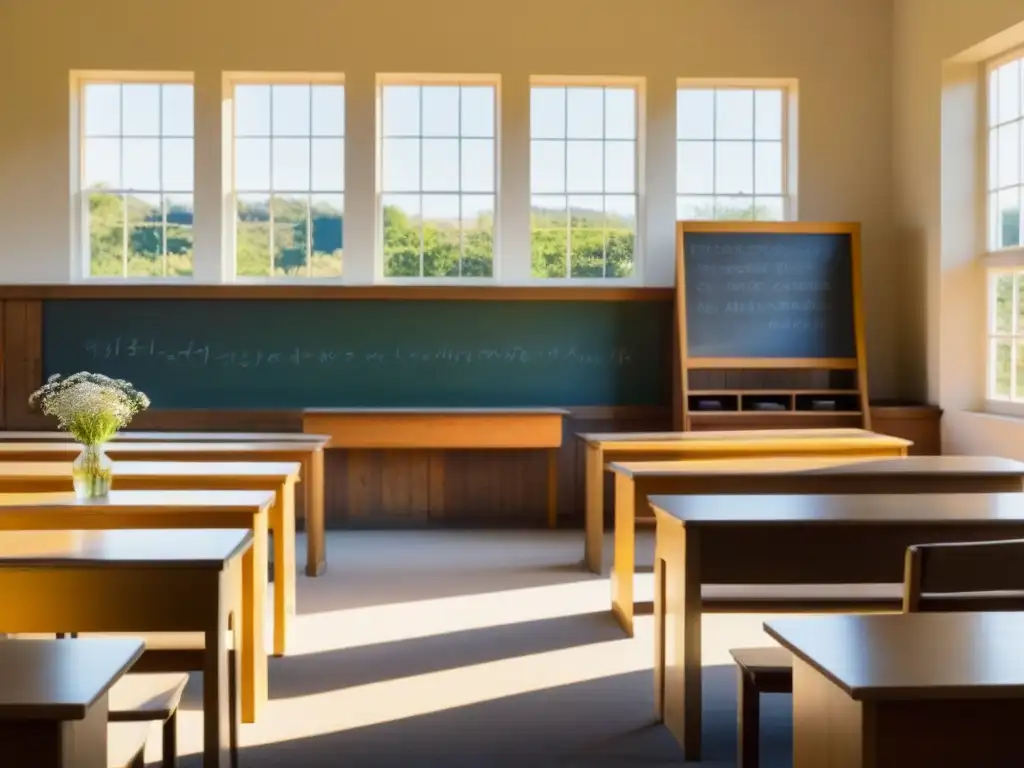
(235, 354)
(769, 295)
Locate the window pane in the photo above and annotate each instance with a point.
(695, 114)
(584, 166)
(291, 106)
(547, 113)
(993, 159)
(327, 214)
(442, 238)
(1001, 369)
(440, 165)
(179, 212)
(252, 164)
(586, 252)
(145, 236)
(177, 110)
(291, 235)
(328, 110)
(1009, 91)
(252, 110)
(290, 164)
(141, 164)
(620, 234)
(102, 109)
(695, 207)
(770, 209)
(477, 111)
(619, 166)
(585, 113)
(993, 98)
(768, 114)
(768, 168)
(478, 165)
(734, 167)
(252, 251)
(547, 166)
(734, 208)
(178, 165)
(328, 165)
(402, 243)
(1002, 310)
(1019, 328)
(734, 114)
(1019, 365)
(696, 167)
(140, 103)
(103, 163)
(620, 113)
(441, 110)
(105, 225)
(478, 235)
(401, 165)
(1008, 154)
(401, 110)
(1008, 222)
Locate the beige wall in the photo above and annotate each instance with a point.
(939, 49)
(838, 50)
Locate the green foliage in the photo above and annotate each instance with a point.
(290, 246)
(125, 223)
(448, 249)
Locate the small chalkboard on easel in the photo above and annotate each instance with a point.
(770, 328)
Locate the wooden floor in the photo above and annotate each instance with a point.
(464, 649)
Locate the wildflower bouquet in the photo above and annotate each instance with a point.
(90, 406)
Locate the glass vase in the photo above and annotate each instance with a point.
(93, 472)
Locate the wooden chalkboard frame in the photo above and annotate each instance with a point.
(684, 364)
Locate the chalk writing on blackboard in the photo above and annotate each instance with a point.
(202, 354)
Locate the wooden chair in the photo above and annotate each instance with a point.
(974, 576)
(148, 698)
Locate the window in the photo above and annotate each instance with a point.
(731, 154)
(1005, 187)
(438, 179)
(583, 181)
(289, 179)
(135, 180)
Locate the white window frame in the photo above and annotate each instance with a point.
(790, 128)
(79, 79)
(638, 84)
(421, 79)
(230, 212)
(997, 262)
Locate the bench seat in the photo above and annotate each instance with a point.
(761, 670)
(812, 598)
(146, 697)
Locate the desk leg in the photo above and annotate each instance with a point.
(220, 686)
(677, 627)
(624, 552)
(593, 542)
(316, 556)
(254, 595)
(284, 565)
(552, 488)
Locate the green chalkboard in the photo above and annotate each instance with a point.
(235, 354)
(769, 295)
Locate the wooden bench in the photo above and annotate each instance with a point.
(126, 744)
(761, 670)
(149, 698)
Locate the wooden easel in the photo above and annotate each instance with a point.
(769, 392)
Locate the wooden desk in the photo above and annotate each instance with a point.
(310, 456)
(602, 448)
(49, 477)
(135, 436)
(445, 429)
(137, 582)
(635, 481)
(776, 542)
(53, 699)
(172, 509)
(927, 689)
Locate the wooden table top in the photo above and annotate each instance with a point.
(142, 448)
(872, 508)
(199, 501)
(177, 437)
(711, 437)
(912, 656)
(203, 548)
(59, 679)
(436, 411)
(957, 466)
(155, 469)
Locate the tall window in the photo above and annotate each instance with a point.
(438, 179)
(1005, 188)
(136, 174)
(730, 154)
(583, 181)
(289, 166)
